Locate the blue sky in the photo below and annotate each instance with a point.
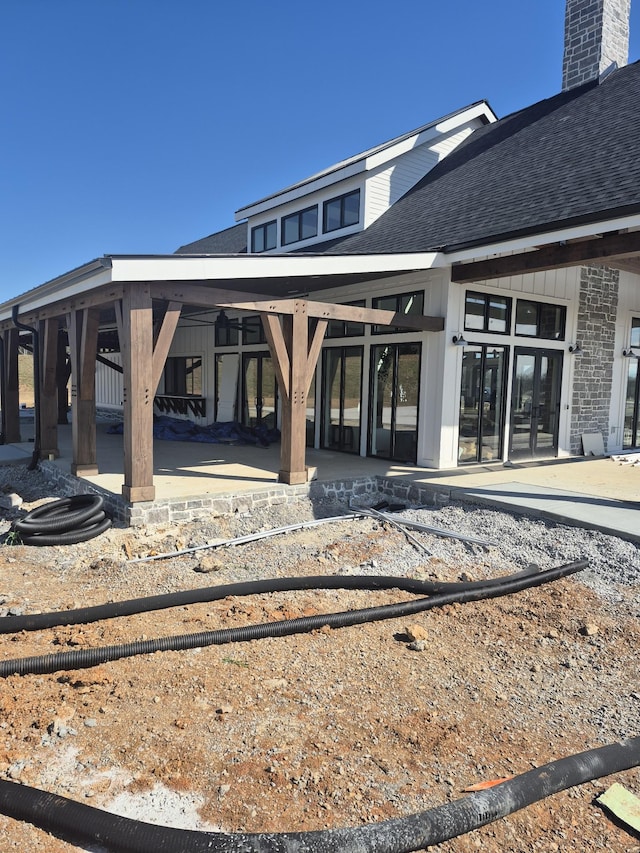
(134, 126)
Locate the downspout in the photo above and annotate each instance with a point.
(35, 457)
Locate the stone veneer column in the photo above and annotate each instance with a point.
(596, 34)
(593, 369)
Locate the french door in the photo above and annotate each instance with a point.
(631, 436)
(535, 403)
(259, 391)
(341, 398)
(393, 402)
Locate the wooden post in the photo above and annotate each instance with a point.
(11, 387)
(83, 344)
(135, 328)
(49, 392)
(294, 363)
(63, 374)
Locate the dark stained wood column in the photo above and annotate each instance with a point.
(135, 329)
(49, 391)
(63, 374)
(294, 363)
(83, 345)
(11, 403)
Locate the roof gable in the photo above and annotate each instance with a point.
(571, 158)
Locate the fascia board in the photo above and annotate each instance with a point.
(437, 131)
(67, 286)
(367, 160)
(299, 191)
(533, 241)
(208, 268)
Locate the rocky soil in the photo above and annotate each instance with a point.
(338, 727)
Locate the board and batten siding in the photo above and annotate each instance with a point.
(109, 386)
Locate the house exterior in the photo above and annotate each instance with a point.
(466, 293)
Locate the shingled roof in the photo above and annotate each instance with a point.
(231, 241)
(569, 159)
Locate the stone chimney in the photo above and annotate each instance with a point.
(596, 34)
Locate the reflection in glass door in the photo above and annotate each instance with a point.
(482, 396)
(393, 407)
(535, 403)
(631, 436)
(341, 398)
(259, 395)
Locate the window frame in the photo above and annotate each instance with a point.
(264, 230)
(486, 316)
(539, 306)
(341, 199)
(398, 298)
(176, 373)
(298, 215)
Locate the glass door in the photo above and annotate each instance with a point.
(482, 404)
(393, 407)
(341, 398)
(631, 436)
(259, 393)
(535, 403)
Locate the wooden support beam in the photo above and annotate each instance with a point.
(163, 341)
(293, 468)
(279, 353)
(83, 405)
(11, 403)
(101, 296)
(314, 351)
(135, 329)
(63, 374)
(604, 250)
(88, 351)
(211, 297)
(48, 331)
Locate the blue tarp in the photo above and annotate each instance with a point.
(177, 429)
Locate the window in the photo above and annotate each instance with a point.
(540, 320)
(183, 376)
(341, 212)
(486, 312)
(346, 328)
(404, 303)
(252, 331)
(300, 226)
(226, 336)
(264, 237)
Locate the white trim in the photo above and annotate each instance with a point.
(367, 160)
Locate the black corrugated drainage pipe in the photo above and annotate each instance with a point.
(35, 456)
(80, 823)
(85, 658)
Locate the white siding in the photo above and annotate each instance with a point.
(109, 383)
(386, 186)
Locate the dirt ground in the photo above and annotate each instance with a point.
(333, 728)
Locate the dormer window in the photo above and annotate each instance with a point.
(300, 226)
(264, 237)
(341, 211)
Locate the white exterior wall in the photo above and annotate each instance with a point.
(109, 385)
(387, 185)
(553, 286)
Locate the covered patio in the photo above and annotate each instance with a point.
(193, 479)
